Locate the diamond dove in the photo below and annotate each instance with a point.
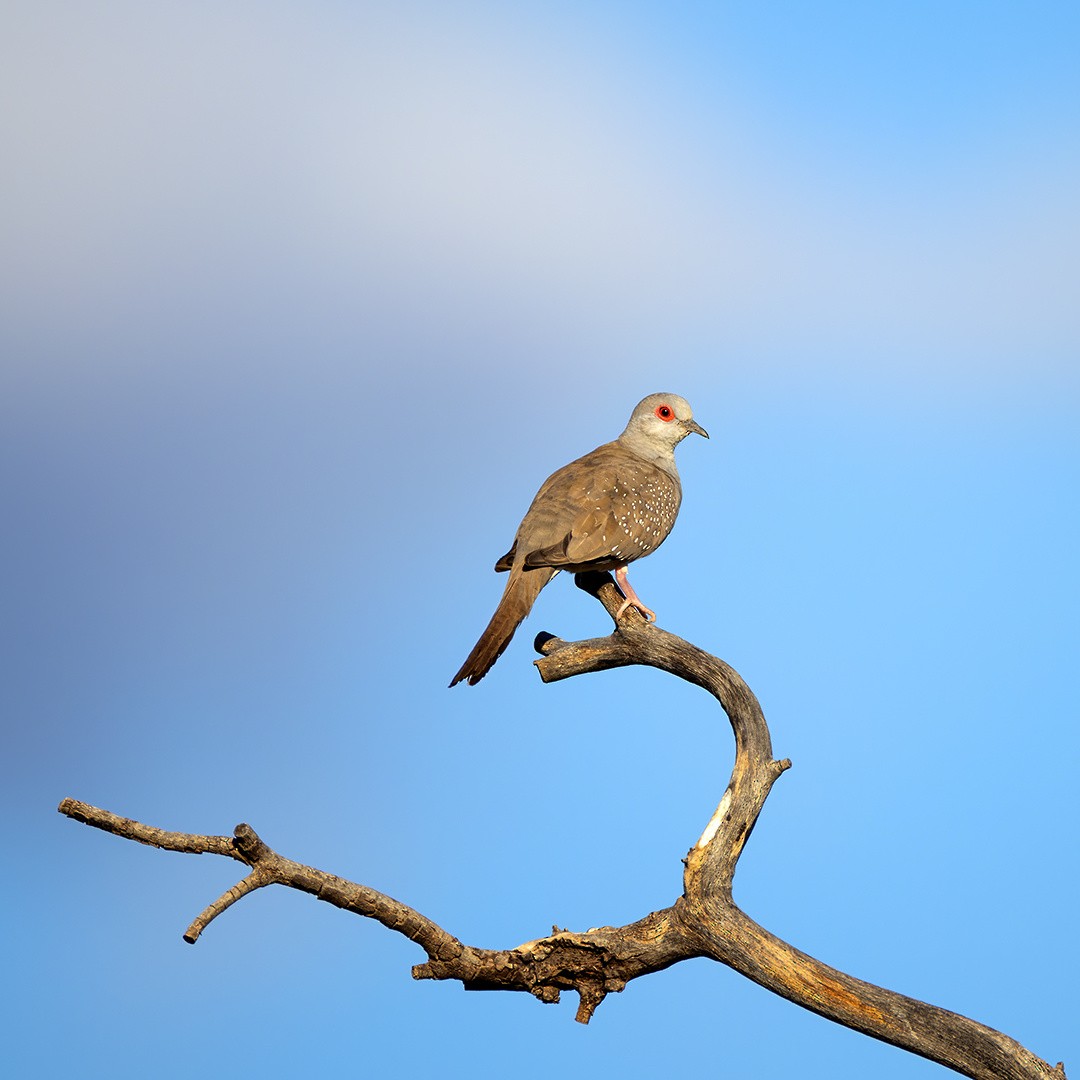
(601, 512)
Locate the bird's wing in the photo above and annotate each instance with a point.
(578, 519)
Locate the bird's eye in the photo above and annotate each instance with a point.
(666, 413)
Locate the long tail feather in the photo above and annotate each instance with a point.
(517, 600)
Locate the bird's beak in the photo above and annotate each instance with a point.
(693, 425)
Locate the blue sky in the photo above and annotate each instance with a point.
(301, 303)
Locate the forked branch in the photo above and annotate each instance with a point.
(703, 921)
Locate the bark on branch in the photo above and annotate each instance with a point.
(703, 921)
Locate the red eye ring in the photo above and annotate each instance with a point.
(666, 413)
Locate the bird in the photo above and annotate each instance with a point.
(600, 512)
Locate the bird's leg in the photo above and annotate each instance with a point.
(632, 598)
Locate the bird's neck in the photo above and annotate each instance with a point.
(662, 456)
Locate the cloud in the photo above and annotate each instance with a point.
(364, 171)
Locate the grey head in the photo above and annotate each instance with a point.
(657, 425)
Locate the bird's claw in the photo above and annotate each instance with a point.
(646, 613)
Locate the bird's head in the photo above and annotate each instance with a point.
(660, 422)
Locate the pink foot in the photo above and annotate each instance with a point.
(632, 598)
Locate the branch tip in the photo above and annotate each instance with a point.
(589, 998)
(248, 844)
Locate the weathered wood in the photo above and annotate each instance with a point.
(703, 922)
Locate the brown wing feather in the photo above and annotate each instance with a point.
(600, 512)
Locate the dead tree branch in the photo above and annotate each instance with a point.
(703, 922)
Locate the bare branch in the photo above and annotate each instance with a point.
(703, 921)
(207, 916)
(594, 964)
(147, 834)
(269, 868)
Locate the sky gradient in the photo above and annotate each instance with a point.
(299, 306)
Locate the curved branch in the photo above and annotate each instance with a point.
(703, 921)
(707, 911)
(710, 865)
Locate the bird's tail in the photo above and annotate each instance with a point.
(517, 600)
